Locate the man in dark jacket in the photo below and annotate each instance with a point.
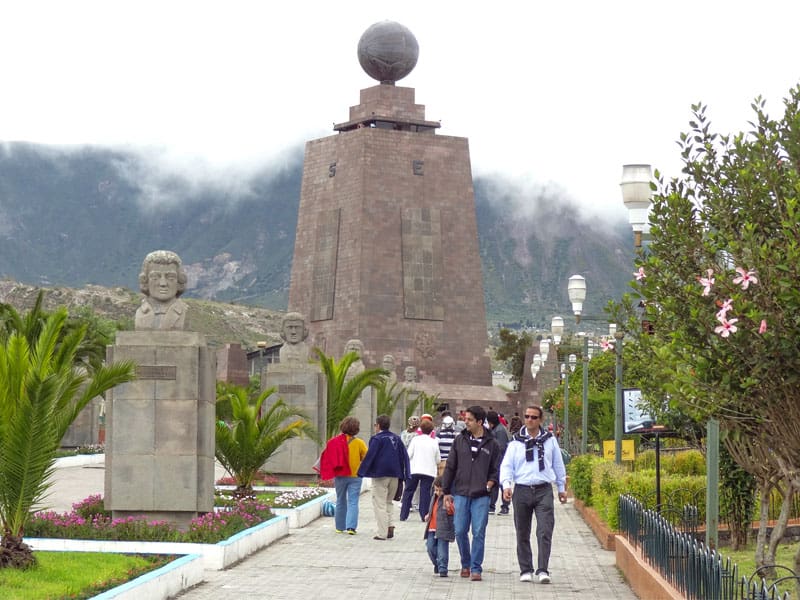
(469, 475)
(386, 463)
(501, 435)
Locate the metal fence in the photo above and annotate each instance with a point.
(696, 571)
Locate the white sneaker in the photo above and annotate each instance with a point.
(526, 576)
(544, 577)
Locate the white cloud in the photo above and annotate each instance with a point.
(561, 94)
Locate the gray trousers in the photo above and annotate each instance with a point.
(528, 501)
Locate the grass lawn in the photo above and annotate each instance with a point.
(75, 575)
(745, 559)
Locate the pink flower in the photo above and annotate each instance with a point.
(707, 282)
(763, 326)
(745, 278)
(724, 309)
(726, 327)
(606, 346)
(640, 274)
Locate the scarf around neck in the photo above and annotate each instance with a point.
(534, 442)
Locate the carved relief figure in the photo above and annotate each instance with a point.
(294, 332)
(410, 374)
(388, 364)
(162, 280)
(356, 346)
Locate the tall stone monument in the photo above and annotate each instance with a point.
(160, 427)
(387, 244)
(301, 385)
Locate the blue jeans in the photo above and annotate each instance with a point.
(474, 512)
(348, 489)
(438, 551)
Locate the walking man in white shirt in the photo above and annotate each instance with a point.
(533, 462)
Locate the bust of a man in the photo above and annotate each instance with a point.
(294, 333)
(410, 374)
(357, 366)
(162, 280)
(388, 364)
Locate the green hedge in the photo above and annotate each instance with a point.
(599, 483)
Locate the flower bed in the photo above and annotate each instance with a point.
(90, 520)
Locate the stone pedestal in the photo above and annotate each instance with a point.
(301, 386)
(85, 430)
(160, 428)
(365, 411)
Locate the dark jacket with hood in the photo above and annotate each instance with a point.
(465, 476)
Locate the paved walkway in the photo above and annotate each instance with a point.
(317, 563)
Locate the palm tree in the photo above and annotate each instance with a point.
(389, 396)
(343, 392)
(44, 384)
(425, 402)
(247, 442)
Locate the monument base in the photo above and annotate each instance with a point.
(160, 427)
(301, 386)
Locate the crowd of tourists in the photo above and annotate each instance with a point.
(453, 475)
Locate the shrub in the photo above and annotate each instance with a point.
(580, 470)
(91, 506)
(684, 462)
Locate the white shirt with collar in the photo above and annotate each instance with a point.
(515, 469)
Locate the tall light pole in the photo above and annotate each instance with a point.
(567, 368)
(576, 290)
(636, 196)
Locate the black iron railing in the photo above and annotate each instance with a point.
(696, 571)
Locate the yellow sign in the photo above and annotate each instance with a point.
(628, 452)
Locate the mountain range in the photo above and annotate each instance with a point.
(89, 215)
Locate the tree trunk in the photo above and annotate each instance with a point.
(763, 535)
(14, 553)
(781, 523)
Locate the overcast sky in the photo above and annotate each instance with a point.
(554, 94)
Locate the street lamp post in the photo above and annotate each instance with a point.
(567, 368)
(576, 290)
(636, 195)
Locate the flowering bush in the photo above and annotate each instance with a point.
(297, 497)
(289, 499)
(261, 478)
(82, 523)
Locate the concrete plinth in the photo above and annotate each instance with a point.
(303, 387)
(160, 428)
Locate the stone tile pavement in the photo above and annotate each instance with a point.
(317, 563)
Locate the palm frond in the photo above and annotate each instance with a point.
(244, 445)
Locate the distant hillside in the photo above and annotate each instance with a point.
(221, 323)
(89, 216)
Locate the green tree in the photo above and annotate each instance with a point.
(245, 443)
(343, 392)
(389, 396)
(44, 384)
(721, 281)
(512, 350)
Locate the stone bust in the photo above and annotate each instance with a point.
(162, 280)
(410, 374)
(294, 332)
(357, 346)
(388, 364)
